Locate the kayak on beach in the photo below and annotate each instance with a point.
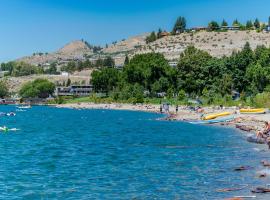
(213, 121)
(253, 111)
(214, 116)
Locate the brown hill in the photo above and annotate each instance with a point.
(76, 50)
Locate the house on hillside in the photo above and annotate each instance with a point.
(231, 28)
(164, 34)
(199, 28)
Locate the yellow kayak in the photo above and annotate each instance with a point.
(214, 116)
(253, 111)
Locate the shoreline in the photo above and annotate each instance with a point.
(249, 123)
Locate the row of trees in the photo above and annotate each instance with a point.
(78, 66)
(20, 69)
(250, 25)
(197, 74)
(24, 69)
(39, 88)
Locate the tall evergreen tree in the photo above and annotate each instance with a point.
(257, 23)
(224, 23)
(213, 25)
(180, 25)
(126, 60)
(159, 33)
(249, 25)
(151, 38)
(236, 23)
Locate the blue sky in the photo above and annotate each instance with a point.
(29, 26)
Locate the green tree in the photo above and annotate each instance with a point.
(3, 89)
(181, 95)
(24, 69)
(105, 80)
(224, 23)
(146, 69)
(257, 23)
(68, 82)
(236, 23)
(41, 88)
(191, 70)
(213, 25)
(159, 33)
(151, 38)
(126, 60)
(180, 25)
(249, 25)
(108, 62)
(237, 65)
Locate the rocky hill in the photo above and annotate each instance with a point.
(217, 44)
(76, 50)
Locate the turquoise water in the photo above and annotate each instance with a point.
(101, 154)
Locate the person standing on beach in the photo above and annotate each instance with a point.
(160, 108)
(176, 108)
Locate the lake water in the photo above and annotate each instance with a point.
(102, 154)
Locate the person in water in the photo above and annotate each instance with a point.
(265, 132)
(4, 129)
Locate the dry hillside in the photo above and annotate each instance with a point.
(217, 44)
(75, 50)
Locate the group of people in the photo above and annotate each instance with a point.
(265, 133)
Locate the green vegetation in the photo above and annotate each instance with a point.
(224, 23)
(180, 25)
(151, 38)
(198, 75)
(39, 88)
(20, 69)
(3, 89)
(213, 25)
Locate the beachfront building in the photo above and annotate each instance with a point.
(74, 90)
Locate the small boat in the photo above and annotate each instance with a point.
(214, 121)
(214, 116)
(253, 111)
